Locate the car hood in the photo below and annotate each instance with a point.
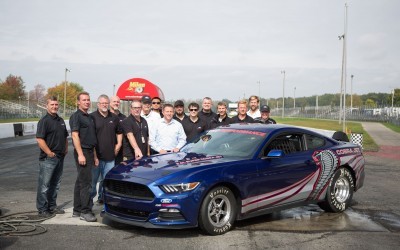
(157, 166)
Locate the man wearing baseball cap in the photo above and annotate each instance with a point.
(179, 107)
(151, 116)
(265, 116)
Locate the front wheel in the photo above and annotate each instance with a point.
(218, 211)
(340, 192)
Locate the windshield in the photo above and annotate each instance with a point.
(226, 142)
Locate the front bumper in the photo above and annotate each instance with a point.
(177, 211)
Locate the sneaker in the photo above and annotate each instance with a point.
(57, 211)
(44, 214)
(76, 214)
(89, 217)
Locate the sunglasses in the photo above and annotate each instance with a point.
(156, 102)
(193, 109)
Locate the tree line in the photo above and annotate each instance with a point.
(13, 89)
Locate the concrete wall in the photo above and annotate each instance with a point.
(29, 128)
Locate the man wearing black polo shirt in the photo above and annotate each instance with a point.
(109, 143)
(114, 108)
(222, 118)
(51, 136)
(193, 125)
(242, 116)
(206, 114)
(179, 108)
(84, 141)
(136, 131)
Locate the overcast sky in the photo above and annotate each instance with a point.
(193, 48)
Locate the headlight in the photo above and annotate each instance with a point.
(178, 188)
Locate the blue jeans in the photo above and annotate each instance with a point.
(50, 173)
(98, 175)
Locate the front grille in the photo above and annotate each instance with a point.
(128, 189)
(127, 211)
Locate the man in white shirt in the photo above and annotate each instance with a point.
(151, 116)
(168, 134)
(254, 111)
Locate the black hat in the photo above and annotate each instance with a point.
(264, 108)
(146, 99)
(178, 103)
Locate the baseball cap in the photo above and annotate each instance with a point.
(146, 99)
(178, 103)
(264, 108)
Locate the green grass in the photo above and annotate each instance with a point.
(19, 120)
(392, 127)
(353, 127)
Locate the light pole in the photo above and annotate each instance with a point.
(392, 101)
(283, 93)
(294, 99)
(113, 89)
(344, 74)
(351, 95)
(259, 89)
(65, 90)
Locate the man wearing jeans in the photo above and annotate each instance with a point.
(51, 136)
(84, 139)
(109, 142)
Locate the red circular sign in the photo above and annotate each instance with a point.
(135, 88)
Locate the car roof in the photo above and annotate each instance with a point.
(271, 128)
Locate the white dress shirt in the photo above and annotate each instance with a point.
(152, 119)
(167, 136)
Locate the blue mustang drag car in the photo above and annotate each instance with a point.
(232, 173)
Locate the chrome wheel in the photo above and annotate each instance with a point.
(219, 210)
(342, 189)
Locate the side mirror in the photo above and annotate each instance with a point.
(275, 153)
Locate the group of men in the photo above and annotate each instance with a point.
(106, 137)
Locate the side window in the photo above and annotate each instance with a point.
(314, 142)
(288, 143)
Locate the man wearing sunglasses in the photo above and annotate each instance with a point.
(156, 105)
(193, 125)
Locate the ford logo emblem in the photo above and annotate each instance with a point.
(166, 200)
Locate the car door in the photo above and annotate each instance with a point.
(286, 179)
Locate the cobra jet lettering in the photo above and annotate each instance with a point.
(345, 151)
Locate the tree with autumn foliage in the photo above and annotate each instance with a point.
(73, 89)
(12, 88)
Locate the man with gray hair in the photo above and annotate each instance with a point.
(115, 103)
(109, 143)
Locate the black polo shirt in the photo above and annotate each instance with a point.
(216, 123)
(268, 121)
(179, 120)
(121, 116)
(247, 119)
(193, 128)
(53, 131)
(107, 129)
(207, 117)
(139, 129)
(82, 123)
